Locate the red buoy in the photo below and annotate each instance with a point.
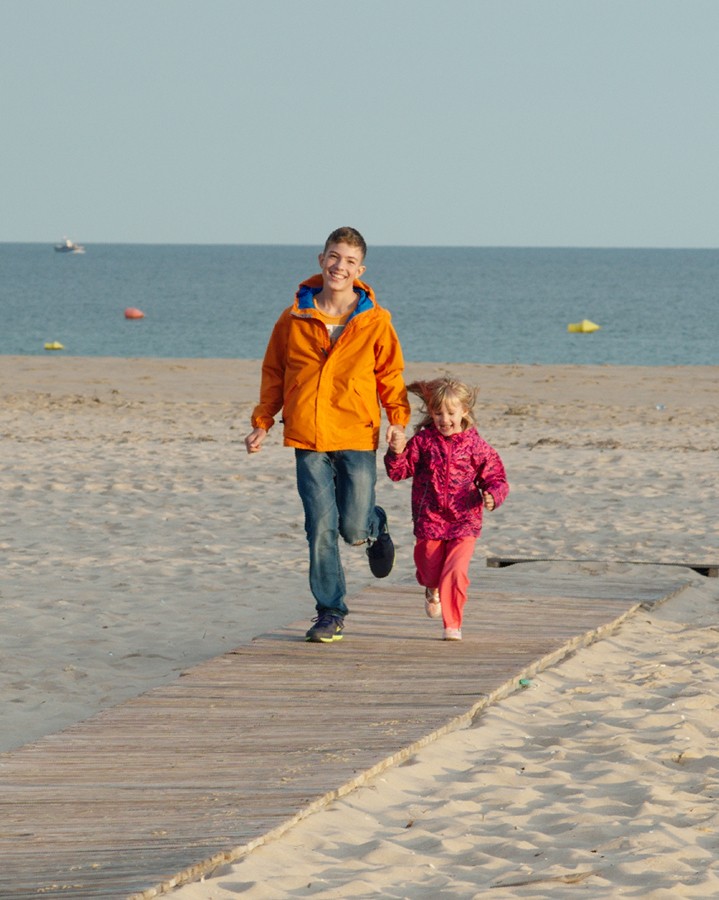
(132, 313)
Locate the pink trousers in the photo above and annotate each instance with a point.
(445, 565)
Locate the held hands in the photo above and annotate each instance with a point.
(254, 439)
(396, 438)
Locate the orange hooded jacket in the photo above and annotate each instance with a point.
(330, 395)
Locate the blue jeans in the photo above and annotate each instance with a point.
(337, 490)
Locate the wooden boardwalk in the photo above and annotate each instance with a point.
(163, 788)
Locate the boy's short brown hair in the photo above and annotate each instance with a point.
(347, 235)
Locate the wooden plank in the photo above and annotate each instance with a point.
(167, 786)
(709, 570)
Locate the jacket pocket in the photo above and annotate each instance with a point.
(371, 417)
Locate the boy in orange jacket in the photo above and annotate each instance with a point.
(332, 361)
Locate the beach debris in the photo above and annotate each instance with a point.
(583, 327)
(525, 682)
(133, 313)
(570, 878)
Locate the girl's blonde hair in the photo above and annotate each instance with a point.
(434, 393)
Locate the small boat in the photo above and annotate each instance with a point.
(68, 246)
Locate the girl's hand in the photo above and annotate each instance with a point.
(488, 500)
(396, 438)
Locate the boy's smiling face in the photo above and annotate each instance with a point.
(340, 264)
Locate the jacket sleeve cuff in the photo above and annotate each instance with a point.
(262, 422)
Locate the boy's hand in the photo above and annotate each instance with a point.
(488, 500)
(396, 438)
(254, 439)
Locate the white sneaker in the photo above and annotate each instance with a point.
(432, 606)
(453, 634)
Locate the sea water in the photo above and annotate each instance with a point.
(448, 304)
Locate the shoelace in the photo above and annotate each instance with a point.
(327, 618)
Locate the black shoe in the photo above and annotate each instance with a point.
(327, 628)
(381, 556)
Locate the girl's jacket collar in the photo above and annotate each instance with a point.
(467, 435)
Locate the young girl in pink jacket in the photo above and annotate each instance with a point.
(455, 474)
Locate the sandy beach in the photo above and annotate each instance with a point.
(139, 539)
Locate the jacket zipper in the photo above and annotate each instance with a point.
(446, 474)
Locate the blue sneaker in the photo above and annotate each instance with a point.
(327, 628)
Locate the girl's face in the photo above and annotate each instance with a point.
(448, 418)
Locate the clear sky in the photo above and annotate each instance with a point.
(443, 122)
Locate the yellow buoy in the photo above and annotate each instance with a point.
(583, 327)
(54, 345)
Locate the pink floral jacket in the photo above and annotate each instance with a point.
(449, 475)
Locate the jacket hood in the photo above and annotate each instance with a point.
(308, 290)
